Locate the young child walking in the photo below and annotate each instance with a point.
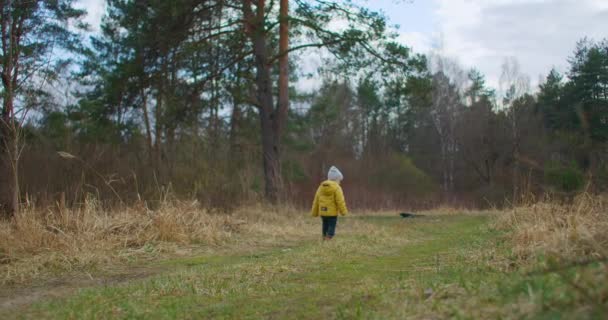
(329, 202)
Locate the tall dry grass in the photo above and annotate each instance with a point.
(577, 231)
(38, 242)
(570, 243)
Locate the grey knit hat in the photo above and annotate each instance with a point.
(334, 174)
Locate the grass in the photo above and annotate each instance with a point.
(562, 233)
(307, 281)
(38, 245)
(461, 265)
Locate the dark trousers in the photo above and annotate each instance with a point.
(329, 226)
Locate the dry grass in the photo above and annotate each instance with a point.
(451, 211)
(561, 232)
(39, 244)
(36, 243)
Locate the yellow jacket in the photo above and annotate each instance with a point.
(329, 200)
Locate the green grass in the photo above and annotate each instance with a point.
(431, 267)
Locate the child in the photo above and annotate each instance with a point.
(329, 202)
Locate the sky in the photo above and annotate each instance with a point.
(540, 34)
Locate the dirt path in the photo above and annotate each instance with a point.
(14, 297)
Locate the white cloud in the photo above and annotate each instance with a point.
(418, 41)
(539, 33)
(95, 11)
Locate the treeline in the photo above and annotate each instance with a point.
(444, 136)
(197, 100)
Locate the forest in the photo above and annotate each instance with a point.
(200, 100)
(162, 165)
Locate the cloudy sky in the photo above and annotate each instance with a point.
(540, 34)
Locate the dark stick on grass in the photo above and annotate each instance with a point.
(409, 215)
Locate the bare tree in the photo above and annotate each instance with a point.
(30, 31)
(449, 81)
(513, 85)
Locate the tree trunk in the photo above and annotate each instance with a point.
(271, 120)
(283, 103)
(488, 167)
(271, 158)
(451, 159)
(14, 162)
(235, 118)
(144, 99)
(515, 137)
(270, 141)
(444, 167)
(158, 131)
(9, 157)
(214, 117)
(10, 170)
(9, 148)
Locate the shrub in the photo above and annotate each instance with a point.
(399, 175)
(564, 178)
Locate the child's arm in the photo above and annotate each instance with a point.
(315, 205)
(341, 202)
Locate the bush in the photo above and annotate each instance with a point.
(567, 179)
(399, 175)
(293, 171)
(601, 178)
(491, 196)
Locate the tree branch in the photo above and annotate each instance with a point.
(309, 45)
